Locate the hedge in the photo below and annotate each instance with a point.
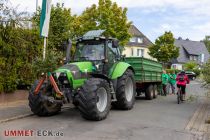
(18, 47)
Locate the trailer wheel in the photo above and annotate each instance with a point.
(149, 92)
(38, 103)
(126, 91)
(155, 91)
(94, 99)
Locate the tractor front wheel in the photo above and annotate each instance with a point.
(126, 91)
(38, 103)
(94, 99)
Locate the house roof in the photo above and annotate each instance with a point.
(134, 31)
(188, 47)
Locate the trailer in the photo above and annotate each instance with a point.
(147, 74)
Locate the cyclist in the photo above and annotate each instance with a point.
(181, 81)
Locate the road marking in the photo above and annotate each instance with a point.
(197, 121)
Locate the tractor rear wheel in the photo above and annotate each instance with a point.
(38, 103)
(155, 91)
(126, 91)
(149, 92)
(94, 99)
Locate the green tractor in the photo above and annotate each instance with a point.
(93, 81)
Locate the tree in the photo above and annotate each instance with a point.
(164, 49)
(190, 65)
(18, 47)
(108, 16)
(207, 42)
(61, 27)
(206, 72)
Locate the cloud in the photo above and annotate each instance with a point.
(185, 18)
(193, 6)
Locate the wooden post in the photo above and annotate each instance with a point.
(44, 50)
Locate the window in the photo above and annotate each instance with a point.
(140, 52)
(136, 39)
(89, 51)
(194, 57)
(140, 40)
(132, 52)
(133, 39)
(191, 57)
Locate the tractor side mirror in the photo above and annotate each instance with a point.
(115, 43)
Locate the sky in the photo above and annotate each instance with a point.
(184, 18)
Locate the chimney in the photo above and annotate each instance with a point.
(180, 38)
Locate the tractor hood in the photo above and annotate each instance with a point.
(76, 72)
(77, 67)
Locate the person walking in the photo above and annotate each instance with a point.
(172, 81)
(165, 79)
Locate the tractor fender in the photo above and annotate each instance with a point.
(119, 69)
(102, 76)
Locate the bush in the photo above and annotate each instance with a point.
(18, 47)
(190, 65)
(172, 70)
(206, 72)
(52, 61)
(197, 71)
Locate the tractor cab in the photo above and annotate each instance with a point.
(101, 51)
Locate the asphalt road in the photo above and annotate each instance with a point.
(159, 119)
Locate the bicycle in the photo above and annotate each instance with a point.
(179, 96)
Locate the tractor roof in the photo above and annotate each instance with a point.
(93, 34)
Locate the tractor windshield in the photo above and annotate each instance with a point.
(89, 51)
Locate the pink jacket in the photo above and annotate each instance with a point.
(183, 83)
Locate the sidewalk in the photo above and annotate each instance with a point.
(14, 110)
(14, 105)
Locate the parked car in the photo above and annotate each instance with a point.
(191, 75)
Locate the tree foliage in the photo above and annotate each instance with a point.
(164, 49)
(207, 42)
(108, 16)
(60, 29)
(206, 72)
(18, 47)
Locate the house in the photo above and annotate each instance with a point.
(190, 51)
(138, 44)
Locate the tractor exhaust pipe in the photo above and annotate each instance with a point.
(68, 51)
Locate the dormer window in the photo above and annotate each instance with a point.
(136, 40)
(140, 40)
(133, 39)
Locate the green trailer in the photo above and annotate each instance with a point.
(147, 75)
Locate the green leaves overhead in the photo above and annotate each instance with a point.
(164, 49)
(207, 42)
(108, 16)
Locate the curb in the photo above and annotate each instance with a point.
(16, 118)
(24, 116)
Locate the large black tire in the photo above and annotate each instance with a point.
(149, 92)
(38, 103)
(155, 91)
(91, 95)
(125, 100)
